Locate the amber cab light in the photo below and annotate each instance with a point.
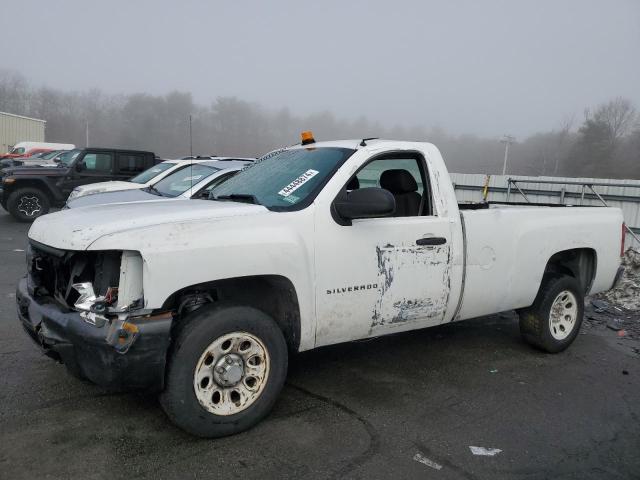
(306, 137)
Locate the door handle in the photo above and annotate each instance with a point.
(431, 241)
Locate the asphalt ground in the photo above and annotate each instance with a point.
(404, 406)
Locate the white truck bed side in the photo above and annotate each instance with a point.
(507, 250)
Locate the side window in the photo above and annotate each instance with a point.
(130, 163)
(370, 175)
(404, 178)
(98, 162)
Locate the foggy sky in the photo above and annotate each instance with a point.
(483, 67)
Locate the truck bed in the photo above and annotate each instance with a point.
(507, 247)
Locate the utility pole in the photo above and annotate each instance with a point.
(86, 132)
(507, 140)
(190, 138)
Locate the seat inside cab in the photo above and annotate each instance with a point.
(403, 177)
(405, 191)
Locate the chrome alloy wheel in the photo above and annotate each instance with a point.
(563, 315)
(29, 205)
(231, 373)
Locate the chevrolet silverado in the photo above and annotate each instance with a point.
(314, 244)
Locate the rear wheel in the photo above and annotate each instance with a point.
(226, 369)
(553, 321)
(27, 204)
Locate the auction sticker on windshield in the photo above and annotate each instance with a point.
(298, 182)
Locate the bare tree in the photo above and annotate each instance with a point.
(562, 139)
(14, 93)
(231, 126)
(619, 116)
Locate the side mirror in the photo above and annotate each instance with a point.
(365, 203)
(80, 166)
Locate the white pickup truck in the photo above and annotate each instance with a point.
(315, 244)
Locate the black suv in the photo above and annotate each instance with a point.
(28, 192)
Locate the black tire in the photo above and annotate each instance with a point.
(535, 321)
(27, 204)
(198, 331)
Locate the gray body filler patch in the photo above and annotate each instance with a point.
(390, 258)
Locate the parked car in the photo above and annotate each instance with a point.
(200, 299)
(191, 180)
(28, 192)
(27, 149)
(41, 158)
(144, 179)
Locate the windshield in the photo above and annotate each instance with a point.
(17, 151)
(68, 157)
(179, 182)
(152, 172)
(285, 178)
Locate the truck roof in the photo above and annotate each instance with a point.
(357, 143)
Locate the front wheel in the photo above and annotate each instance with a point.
(226, 369)
(27, 204)
(553, 321)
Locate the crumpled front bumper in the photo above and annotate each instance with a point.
(91, 351)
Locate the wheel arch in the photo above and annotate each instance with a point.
(580, 263)
(33, 183)
(273, 294)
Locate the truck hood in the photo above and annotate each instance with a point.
(47, 170)
(77, 229)
(38, 162)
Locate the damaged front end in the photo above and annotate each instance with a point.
(86, 309)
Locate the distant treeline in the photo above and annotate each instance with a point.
(604, 142)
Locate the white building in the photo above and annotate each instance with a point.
(16, 128)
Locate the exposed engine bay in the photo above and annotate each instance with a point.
(98, 281)
(86, 309)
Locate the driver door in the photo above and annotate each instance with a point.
(383, 275)
(95, 167)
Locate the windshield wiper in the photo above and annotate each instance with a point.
(238, 197)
